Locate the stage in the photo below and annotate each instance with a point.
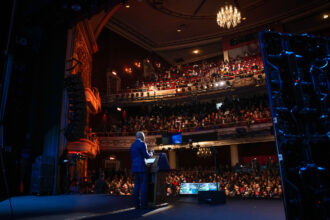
(74, 207)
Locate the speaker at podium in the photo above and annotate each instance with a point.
(158, 168)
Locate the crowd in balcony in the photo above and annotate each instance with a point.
(194, 117)
(202, 73)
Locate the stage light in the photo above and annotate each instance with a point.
(119, 109)
(137, 64)
(196, 51)
(112, 157)
(114, 73)
(325, 16)
(128, 69)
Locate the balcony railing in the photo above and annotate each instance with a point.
(222, 85)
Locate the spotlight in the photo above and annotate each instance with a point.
(128, 69)
(137, 64)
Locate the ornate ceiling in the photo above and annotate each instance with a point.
(153, 24)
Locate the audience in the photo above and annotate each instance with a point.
(201, 73)
(248, 183)
(239, 183)
(194, 117)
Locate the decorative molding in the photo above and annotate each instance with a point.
(130, 34)
(219, 143)
(123, 143)
(83, 52)
(104, 20)
(90, 35)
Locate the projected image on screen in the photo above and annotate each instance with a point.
(208, 186)
(189, 188)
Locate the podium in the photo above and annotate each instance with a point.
(158, 168)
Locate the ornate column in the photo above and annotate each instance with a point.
(172, 159)
(234, 154)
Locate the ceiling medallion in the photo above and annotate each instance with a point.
(228, 16)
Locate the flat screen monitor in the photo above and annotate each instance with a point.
(176, 138)
(208, 186)
(189, 188)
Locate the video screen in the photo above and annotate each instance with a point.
(208, 186)
(176, 139)
(189, 188)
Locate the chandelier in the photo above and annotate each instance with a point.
(204, 152)
(228, 16)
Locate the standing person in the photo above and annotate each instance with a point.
(100, 184)
(139, 153)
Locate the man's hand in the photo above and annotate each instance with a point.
(152, 151)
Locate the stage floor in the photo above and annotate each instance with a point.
(74, 207)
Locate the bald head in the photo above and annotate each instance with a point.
(140, 135)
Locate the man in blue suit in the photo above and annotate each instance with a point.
(139, 153)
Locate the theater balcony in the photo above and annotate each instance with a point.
(86, 147)
(212, 89)
(206, 137)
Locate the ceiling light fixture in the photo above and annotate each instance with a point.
(325, 16)
(196, 51)
(178, 30)
(127, 6)
(228, 16)
(204, 152)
